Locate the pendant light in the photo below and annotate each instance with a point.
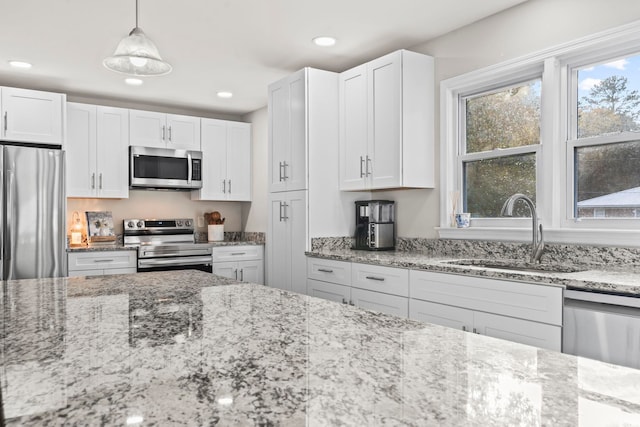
(137, 55)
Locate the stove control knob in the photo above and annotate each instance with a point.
(179, 223)
(130, 224)
(187, 223)
(140, 224)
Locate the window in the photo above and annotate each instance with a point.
(561, 126)
(606, 142)
(498, 152)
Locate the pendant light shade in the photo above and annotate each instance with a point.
(137, 55)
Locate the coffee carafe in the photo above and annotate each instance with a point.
(375, 225)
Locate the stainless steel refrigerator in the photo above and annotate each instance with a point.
(33, 213)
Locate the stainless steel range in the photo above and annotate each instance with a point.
(167, 244)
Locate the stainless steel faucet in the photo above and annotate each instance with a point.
(537, 244)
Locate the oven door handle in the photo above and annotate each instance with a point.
(155, 262)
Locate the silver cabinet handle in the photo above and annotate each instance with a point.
(163, 133)
(100, 181)
(361, 168)
(103, 260)
(229, 186)
(236, 273)
(285, 165)
(238, 253)
(280, 171)
(367, 173)
(189, 169)
(351, 302)
(325, 270)
(6, 121)
(283, 211)
(379, 279)
(242, 274)
(169, 133)
(475, 331)
(464, 328)
(344, 301)
(224, 185)
(93, 181)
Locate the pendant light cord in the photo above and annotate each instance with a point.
(137, 10)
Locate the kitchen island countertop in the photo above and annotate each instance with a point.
(618, 280)
(191, 348)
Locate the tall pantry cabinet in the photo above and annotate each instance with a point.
(304, 196)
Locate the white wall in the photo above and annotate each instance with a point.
(527, 28)
(254, 214)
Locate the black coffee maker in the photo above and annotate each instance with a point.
(375, 225)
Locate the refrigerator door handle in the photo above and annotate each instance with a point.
(9, 228)
(2, 177)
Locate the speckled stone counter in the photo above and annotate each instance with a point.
(190, 348)
(116, 247)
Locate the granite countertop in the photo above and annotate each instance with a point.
(619, 280)
(191, 348)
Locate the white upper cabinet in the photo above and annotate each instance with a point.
(32, 116)
(288, 133)
(152, 129)
(226, 159)
(386, 123)
(96, 151)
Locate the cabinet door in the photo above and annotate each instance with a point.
(441, 314)
(296, 168)
(214, 160)
(295, 213)
(353, 128)
(183, 132)
(518, 330)
(328, 291)
(288, 134)
(112, 144)
(377, 301)
(81, 150)
(147, 128)
(385, 120)
(226, 269)
(32, 116)
(239, 161)
(279, 135)
(278, 246)
(251, 271)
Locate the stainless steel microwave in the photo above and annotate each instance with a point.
(164, 168)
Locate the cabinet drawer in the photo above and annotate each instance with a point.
(327, 270)
(384, 303)
(101, 260)
(237, 253)
(515, 299)
(390, 280)
(328, 291)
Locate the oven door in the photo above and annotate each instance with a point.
(202, 263)
(164, 168)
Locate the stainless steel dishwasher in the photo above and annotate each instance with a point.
(602, 326)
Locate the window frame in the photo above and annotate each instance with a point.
(463, 156)
(555, 168)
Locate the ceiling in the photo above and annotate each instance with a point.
(233, 45)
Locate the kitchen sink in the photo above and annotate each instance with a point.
(519, 266)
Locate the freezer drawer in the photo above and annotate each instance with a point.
(606, 332)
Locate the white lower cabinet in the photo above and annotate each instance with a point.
(520, 312)
(367, 286)
(243, 263)
(100, 263)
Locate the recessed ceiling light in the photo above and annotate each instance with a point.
(133, 82)
(324, 41)
(224, 94)
(19, 64)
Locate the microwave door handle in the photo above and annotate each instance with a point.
(189, 168)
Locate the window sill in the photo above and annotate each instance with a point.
(625, 238)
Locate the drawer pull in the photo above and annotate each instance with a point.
(379, 279)
(325, 270)
(103, 260)
(239, 253)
